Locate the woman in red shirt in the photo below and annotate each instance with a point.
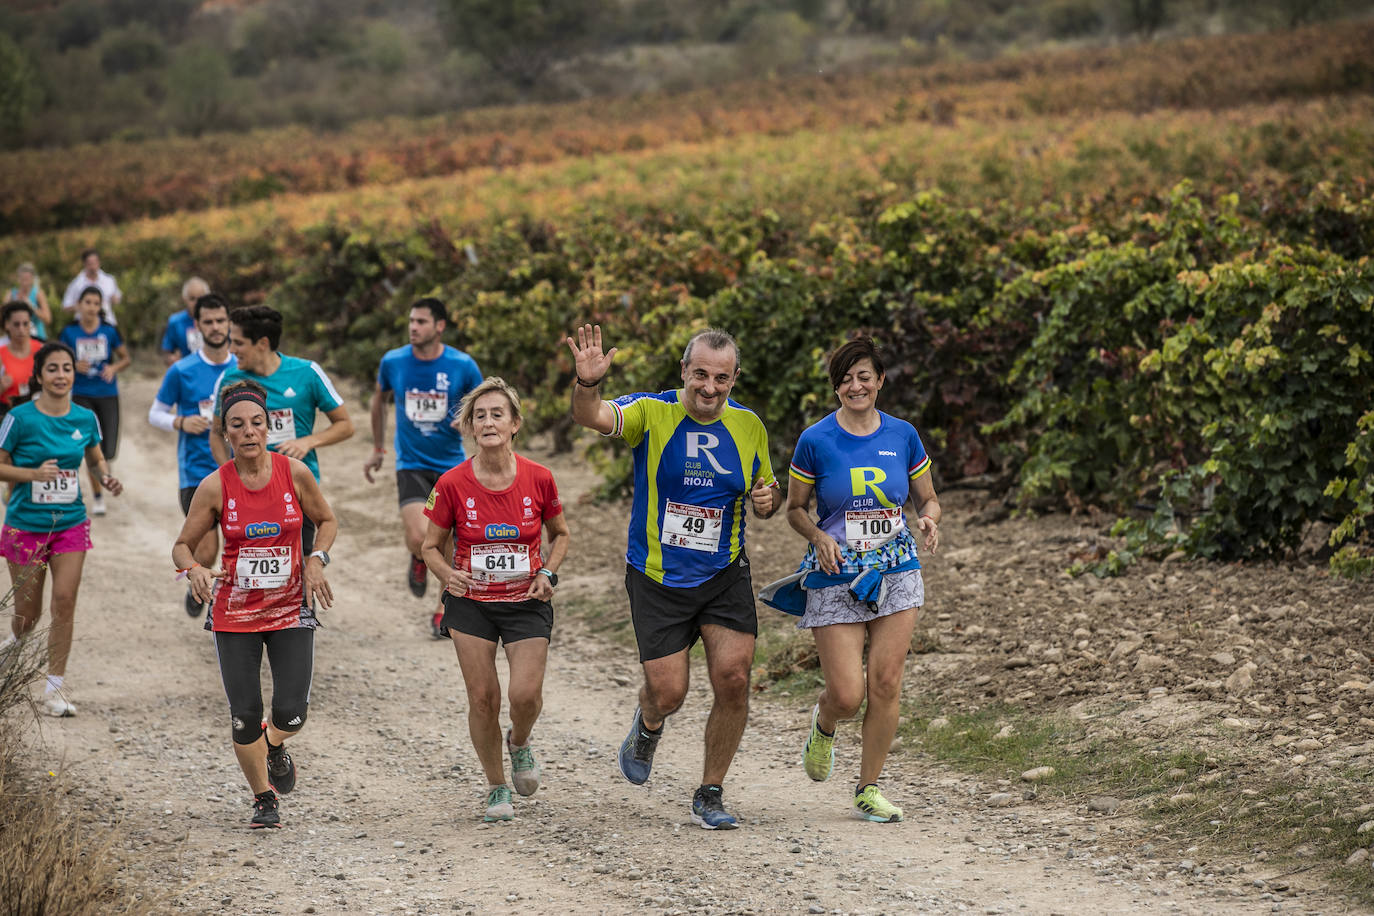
(496, 506)
(263, 594)
(16, 356)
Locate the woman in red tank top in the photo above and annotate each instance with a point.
(263, 595)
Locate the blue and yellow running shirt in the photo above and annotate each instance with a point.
(861, 484)
(691, 485)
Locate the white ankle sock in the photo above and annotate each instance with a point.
(54, 683)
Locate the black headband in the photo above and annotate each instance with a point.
(243, 394)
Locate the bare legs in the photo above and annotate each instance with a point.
(28, 603)
(477, 659)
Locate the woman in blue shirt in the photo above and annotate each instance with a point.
(861, 575)
(100, 356)
(42, 444)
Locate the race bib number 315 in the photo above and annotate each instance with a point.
(693, 527)
(63, 489)
(263, 567)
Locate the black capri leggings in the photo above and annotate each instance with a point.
(291, 656)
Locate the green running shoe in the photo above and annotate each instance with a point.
(524, 771)
(870, 805)
(499, 807)
(819, 756)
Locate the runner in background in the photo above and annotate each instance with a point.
(182, 336)
(100, 356)
(296, 390)
(26, 288)
(16, 354)
(426, 379)
(92, 275)
(185, 404)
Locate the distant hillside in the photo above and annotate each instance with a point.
(89, 70)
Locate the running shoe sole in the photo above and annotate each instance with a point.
(723, 825)
(193, 607)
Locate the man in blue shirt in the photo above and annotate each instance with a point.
(296, 389)
(182, 336)
(185, 403)
(426, 379)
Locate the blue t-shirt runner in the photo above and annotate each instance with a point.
(33, 437)
(98, 349)
(188, 389)
(427, 393)
(181, 335)
(295, 392)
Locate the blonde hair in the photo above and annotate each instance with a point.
(489, 384)
(191, 284)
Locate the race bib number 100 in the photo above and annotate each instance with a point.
(281, 426)
(63, 489)
(693, 527)
(872, 528)
(263, 567)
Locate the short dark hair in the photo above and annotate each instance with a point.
(846, 355)
(257, 322)
(41, 357)
(714, 338)
(87, 253)
(91, 289)
(437, 310)
(14, 305)
(210, 301)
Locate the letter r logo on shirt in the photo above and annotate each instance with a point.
(700, 444)
(867, 480)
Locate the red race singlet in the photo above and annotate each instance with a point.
(262, 585)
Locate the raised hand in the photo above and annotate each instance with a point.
(592, 363)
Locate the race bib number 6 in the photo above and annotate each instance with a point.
(263, 567)
(281, 426)
(872, 528)
(693, 527)
(500, 562)
(61, 490)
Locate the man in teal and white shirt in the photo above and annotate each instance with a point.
(296, 390)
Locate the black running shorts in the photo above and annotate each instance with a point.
(504, 621)
(106, 410)
(186, 493)
(668, 619)
(413, 485)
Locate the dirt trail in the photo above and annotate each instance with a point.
(386, 815)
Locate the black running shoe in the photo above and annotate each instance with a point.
(281, 770)
(265, 812)
(418, 577)
(435, 629)
(193, 607)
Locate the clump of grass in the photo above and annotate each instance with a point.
(51, 860)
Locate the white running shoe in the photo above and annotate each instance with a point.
(98, 504)
(58, 706)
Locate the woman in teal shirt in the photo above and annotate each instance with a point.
(42, 444)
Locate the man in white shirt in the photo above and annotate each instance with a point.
(92, 275)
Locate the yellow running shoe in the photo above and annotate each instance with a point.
(819, 756)
(870, 805)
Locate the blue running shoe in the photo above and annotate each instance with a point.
(708, 809)
(636, 757)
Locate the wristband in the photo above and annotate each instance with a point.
(931, 517)
(183, 573)
(584, 384)
(378, 451)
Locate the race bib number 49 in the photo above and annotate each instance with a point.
(63, 489)
(500, 562)
(872, 528)
(263, 567)
(281, 426)
(426, 406)
(693, 527)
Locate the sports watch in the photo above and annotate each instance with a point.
(553, 576)
(323, 555)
